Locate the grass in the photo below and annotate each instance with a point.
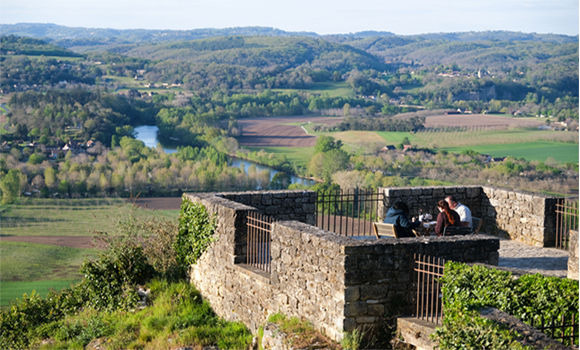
(297, 155)
(331, 89)
(29, 266)
(177, 317)
(561, 152)
(13, 290)
(38, 262)
(51, 265)
(69, 217)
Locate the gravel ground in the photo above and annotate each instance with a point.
(546, 261)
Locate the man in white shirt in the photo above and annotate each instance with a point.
(462, 210)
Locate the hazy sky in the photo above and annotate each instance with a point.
(320, 16)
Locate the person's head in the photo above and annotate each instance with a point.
(400, 205)
(451, 201)
(444, 207)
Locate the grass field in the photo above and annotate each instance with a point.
(561, 152)
(331, 89)
(26, 266)
(297, 155)
(69, 217)
(29, 266)
(531, 144)
(13, 290)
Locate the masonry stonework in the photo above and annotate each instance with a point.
(521, 216)
(337, 283)
(573, 258)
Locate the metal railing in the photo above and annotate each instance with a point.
(566, 220)
(558, 328)
(348, 213)
(429, 297)
(259, 239)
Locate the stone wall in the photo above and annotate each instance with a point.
(521, 216)
(336, 283)
(296, 205)
(573, 258)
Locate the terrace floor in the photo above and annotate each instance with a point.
(546, 261)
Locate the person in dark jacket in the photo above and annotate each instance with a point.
(398, 216)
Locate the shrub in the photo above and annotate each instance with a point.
(469, 288)
(196, 229)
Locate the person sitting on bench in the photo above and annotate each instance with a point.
(446, 217)
(398, 216)
(462, 210)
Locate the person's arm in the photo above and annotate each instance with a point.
(440, 223)
(406, 223)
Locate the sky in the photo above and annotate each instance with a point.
(402, 17)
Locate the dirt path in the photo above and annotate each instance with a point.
(162, 203)
(63, 241)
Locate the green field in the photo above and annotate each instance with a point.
(28, 266)
(13, 290)
(297, 155)
(69, 217)
(331, 89)
(561, 152)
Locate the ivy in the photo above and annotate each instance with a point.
(466, 289)
(196, 232)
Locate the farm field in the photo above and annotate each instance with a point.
(481, 120)
(276, 131)
(331, 89)
(488, 134)
(297, 155)
(67, 217)
(44, 241)
(561, 152)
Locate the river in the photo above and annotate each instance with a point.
(148, 134)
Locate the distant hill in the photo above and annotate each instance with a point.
(428, 51)
(257, 51)
(15, 45)
(77, 36)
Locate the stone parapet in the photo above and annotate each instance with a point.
(525, 217)
(573, 257)
(337, 283)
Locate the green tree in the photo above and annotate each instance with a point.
(326, 143)
(49, 176)
(10, 185)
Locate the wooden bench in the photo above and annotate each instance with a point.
(456, 230)
(385, 230)
(477, 223)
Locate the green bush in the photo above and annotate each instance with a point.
(196, 229)
(466, 289)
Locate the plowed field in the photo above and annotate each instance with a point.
(276, 132)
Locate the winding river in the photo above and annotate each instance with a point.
(148, 134)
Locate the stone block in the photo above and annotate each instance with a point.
(357, 308)
(351, 293)
(373, 291)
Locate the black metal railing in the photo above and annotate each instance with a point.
(562, 329)
(259, 240)
(348, 213)
(429, 298)
(566, 220)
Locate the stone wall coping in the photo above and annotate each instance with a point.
(260, 192)
(494, 188)
(356, 245)
(212, 198)
(532, 336)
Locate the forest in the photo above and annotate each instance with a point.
(60, 94)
